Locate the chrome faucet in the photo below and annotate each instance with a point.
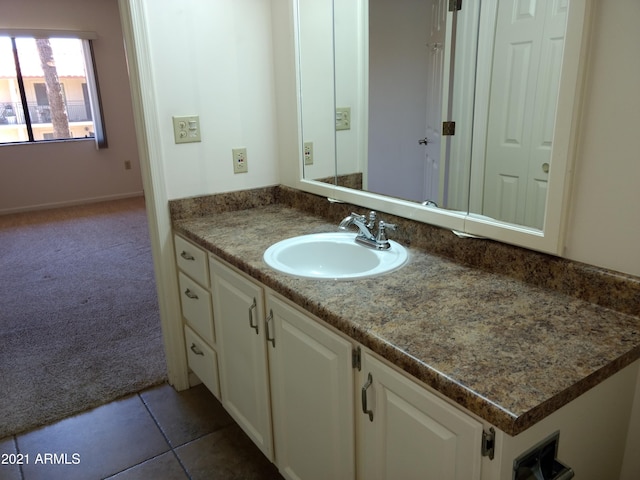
(365, 237)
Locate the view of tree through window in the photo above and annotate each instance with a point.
(46, 90)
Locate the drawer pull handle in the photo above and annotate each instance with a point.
(190, 294)
(266, 323)
(253, 306)
(187, 256)
(196, 350)
(366, 386)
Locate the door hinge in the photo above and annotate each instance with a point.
(356, 358)
(448, 128)
(488, 447)
(455, 5)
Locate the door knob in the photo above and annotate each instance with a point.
(423, 141)
(545, 167)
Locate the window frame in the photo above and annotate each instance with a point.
(95, 101)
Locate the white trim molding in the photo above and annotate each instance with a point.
(148, 132)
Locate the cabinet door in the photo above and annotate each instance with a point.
(412, 433)
(238, 314)
(312, 393)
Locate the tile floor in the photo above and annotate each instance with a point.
(156, 434)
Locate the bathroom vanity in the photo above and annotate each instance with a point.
(437, 370)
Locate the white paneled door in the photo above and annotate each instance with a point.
(525, 77)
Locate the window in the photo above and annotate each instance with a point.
(48, 87)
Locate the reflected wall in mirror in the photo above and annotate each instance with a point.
(317, 92)
(402, 67)
(409, 54)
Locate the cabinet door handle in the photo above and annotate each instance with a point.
(196, 350)
(190, 294)
(266, 325)
(366, 386)
(187, 256)
(253, 306)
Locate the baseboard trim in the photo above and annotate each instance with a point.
(70, 203)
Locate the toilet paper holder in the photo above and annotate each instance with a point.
(540, 462)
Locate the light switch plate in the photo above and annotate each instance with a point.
(186, 129)
(343, 118)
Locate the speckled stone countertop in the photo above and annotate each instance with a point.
(510, 351)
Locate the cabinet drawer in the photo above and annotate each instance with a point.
(191, 260)
(202, 360)
(196, 307)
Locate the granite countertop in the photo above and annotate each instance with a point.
(508, 351)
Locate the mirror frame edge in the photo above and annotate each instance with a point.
(382, 203)
(549, 240)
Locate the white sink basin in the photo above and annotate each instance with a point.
(333, 255)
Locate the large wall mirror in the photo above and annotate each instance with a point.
(461, 118)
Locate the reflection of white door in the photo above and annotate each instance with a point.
(435, 61)
(526, 60)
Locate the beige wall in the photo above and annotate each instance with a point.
(604, 221)
(37, 176)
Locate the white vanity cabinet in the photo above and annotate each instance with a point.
(278, 363)
(406, 432)
(321, 406)
(286, 376)
(195, 303)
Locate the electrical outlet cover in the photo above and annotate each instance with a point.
(240, 160)
(308, 153)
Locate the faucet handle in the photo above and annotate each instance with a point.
(382, 233)
(372, 219)
(390, 226)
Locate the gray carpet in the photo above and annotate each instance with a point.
(79, 322)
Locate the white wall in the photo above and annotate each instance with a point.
(604, 223)
(321, 60)
(214, 59)
(351, 89)
(316, 70)
(37, 176)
